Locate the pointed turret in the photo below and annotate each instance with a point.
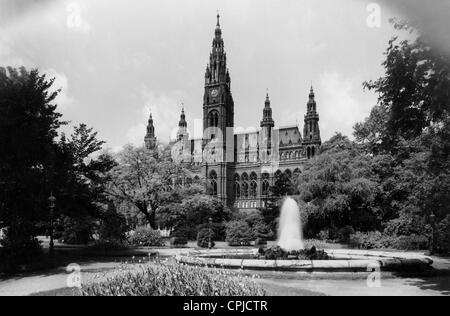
(312, 140)
(182, 127)
(150, 139)
(267, 120)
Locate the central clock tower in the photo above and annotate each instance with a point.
(218, 105)
(218, 123)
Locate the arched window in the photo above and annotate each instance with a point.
(237, 190)
(213, 182)
(245, 189)
(308, 153)
(213, 119)
(265, 187)
(313, 152)
(253, 189)
(237, 186)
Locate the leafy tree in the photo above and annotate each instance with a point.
(408, 133)
(339, 188)
(34, 163)
(144, 180)
(193, 213)
(413, 93)
(239, 233)
(28, 127)
(284, 186)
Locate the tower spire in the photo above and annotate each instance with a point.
(150, 138)
(267, 120)
(218, 18)
(182, 126)
(311, 140)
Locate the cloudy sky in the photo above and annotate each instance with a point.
(117, 60)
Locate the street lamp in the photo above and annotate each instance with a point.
(52, 201)
(210, 220)
(433, 229)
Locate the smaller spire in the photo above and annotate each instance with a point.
(311, 93)
(218, 18)
(182, 122)
(267, 97)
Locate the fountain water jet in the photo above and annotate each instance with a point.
(290, 237)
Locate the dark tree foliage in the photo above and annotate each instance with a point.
(408, 133)
(28, 128)
(34, 163)
(339, 188)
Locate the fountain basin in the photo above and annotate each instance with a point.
(341, 261)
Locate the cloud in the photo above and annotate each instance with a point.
(64, 100)
(338, 106)
(165, 109)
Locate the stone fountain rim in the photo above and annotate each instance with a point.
(345, 260)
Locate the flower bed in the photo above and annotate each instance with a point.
(172, 279)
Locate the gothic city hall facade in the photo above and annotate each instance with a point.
(239, 168)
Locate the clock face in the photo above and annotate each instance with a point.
(214, 93)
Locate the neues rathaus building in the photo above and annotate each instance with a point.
(239, 168)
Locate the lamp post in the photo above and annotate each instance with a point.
(52, 201)
(210, 220)
(433, 230)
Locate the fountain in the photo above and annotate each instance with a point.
(290, 236)
(290, 254)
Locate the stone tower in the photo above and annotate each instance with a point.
(218, 122)
(218, 105)
(311, 132)
(150, 139)
(182, 133)
(267, 125)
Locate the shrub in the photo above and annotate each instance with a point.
(343, 234)
(413, 242)
(406, 225)
(274, 253)
(171, 279)
(146, 237)
(443, 236)
(77, 230)
(219, 230)
(178, 241)
(324, 235)
(113, 227)
(239, 233)
(378, 240)
(204, 237)
(370, 240)
(320, 244)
